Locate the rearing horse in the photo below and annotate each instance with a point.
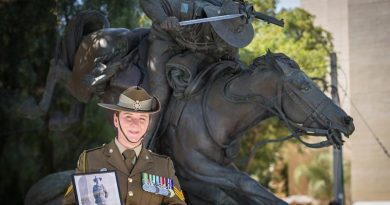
(202, 134)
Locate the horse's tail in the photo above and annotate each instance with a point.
(81, 25)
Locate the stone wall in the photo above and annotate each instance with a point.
(361, 31)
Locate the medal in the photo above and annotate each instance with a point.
(157, 185)
(146, 183)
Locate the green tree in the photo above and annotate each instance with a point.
(28, 34)
(305, 43)
(319, 174)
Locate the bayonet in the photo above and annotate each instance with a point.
(209, 19)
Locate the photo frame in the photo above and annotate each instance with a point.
(97, 188)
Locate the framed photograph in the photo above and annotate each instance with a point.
(98, 188)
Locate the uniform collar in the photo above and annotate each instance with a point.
(144, 162)
(122, 148)
(115, 157)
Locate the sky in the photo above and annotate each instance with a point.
(287, 4)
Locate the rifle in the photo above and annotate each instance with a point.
(268, 19)
(248, 9)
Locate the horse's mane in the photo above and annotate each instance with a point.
(207, 77)
(268, 61)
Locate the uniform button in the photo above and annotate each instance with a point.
(110, 151)
(130, 180)
(131, 193)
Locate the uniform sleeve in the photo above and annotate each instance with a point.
(155, 9)
(178, 199)
(69, 197)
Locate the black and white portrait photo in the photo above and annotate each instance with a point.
(100, 188)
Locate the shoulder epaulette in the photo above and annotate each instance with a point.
(82, 163)
(158, 155)
(95, 148)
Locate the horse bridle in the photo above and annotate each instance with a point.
(313, 115)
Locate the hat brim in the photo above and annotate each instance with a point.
(118, 108)
(224, 29)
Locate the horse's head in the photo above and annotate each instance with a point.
(298, 101)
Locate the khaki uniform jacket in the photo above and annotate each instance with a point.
(130, 183)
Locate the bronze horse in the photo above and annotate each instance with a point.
(200, 132)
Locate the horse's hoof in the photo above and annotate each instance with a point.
(49, 190)
(62, 123)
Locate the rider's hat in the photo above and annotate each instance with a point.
(237, 32)
(135, 99)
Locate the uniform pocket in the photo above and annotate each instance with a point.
(148, 198)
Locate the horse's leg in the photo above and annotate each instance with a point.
(59, 122)
(229, 179)
(198, 192)
(57, 73)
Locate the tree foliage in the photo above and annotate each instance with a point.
(29, 32)
(319, 175)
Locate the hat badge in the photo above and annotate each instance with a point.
(136, 105)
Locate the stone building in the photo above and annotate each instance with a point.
(361, 31)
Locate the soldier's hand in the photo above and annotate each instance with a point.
(170, 23)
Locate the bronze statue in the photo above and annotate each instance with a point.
(216, 41)
(197, 130)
